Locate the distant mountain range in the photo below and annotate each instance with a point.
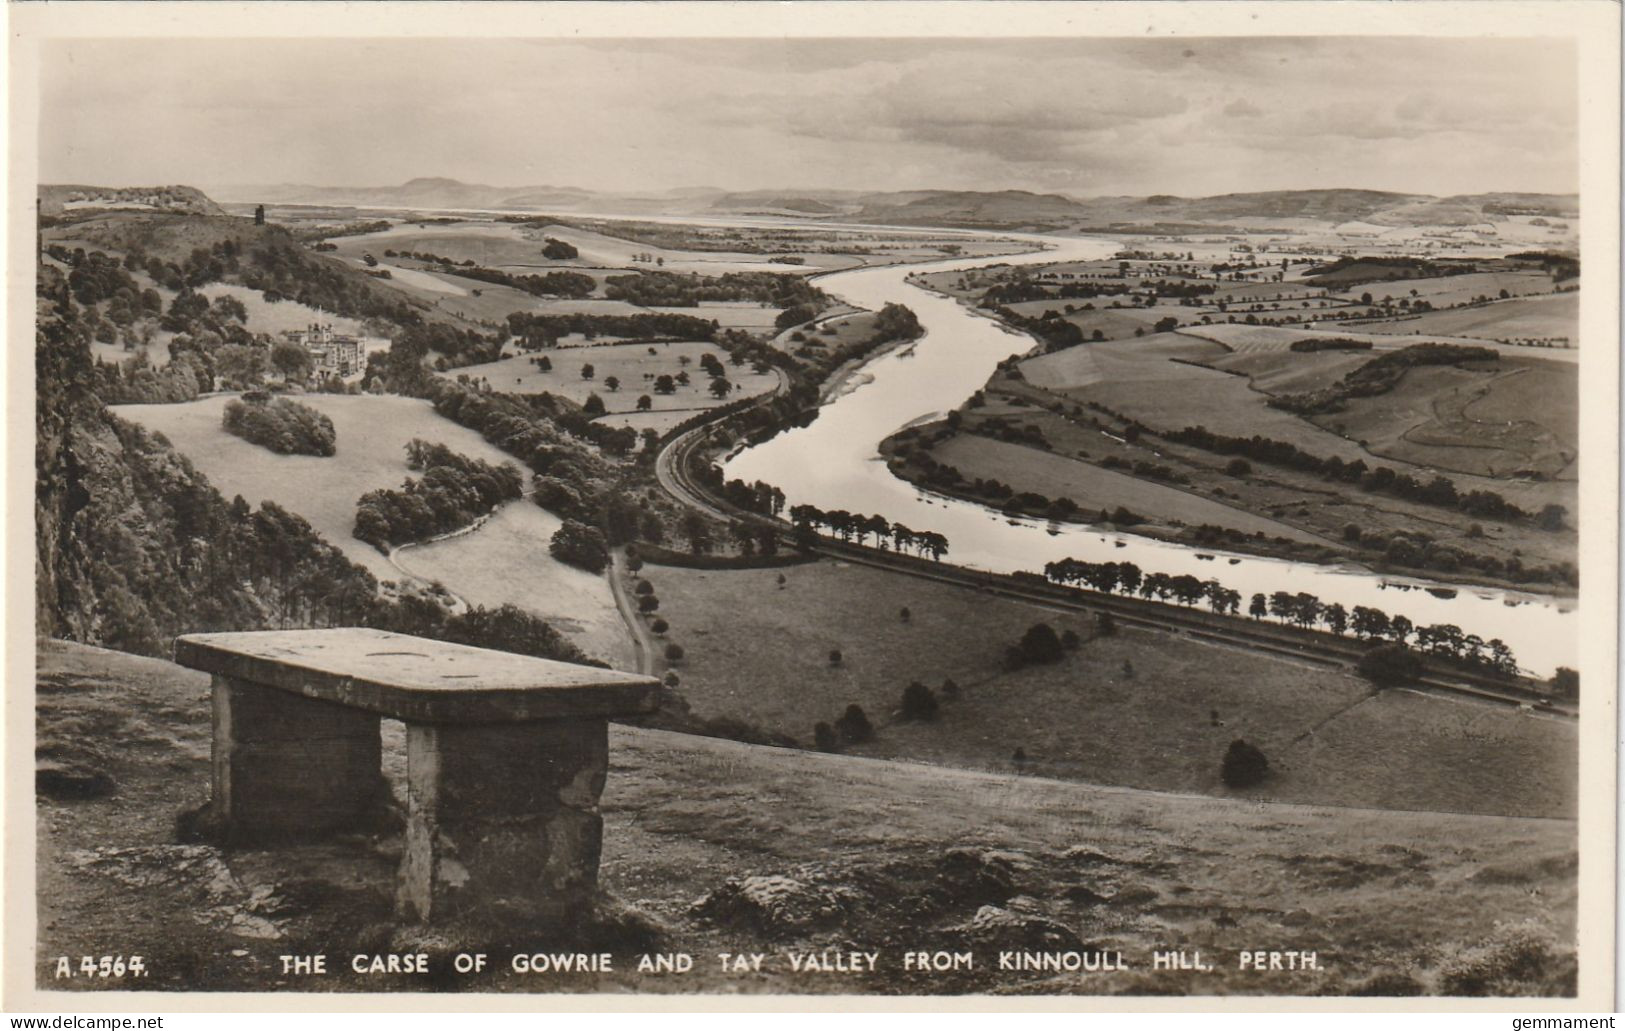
(1007, 209)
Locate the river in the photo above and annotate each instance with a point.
(835, 464)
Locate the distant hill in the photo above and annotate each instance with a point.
(994, 209)
(58, 200)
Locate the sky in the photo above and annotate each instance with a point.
(1084, 117)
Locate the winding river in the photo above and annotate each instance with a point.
(835, 464)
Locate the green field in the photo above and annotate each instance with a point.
(759, 652)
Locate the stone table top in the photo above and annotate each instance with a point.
(416, 679)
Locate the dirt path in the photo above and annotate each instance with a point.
(643, 645)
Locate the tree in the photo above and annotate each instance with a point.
(664, 384)
(854, 727)
(835, 656)
(1238, 467)
(824, 738)
(1039, 644)
(291, 360)
(612, 383)
(1167, 325)
(1390, 665)
(720, 387)
(1243, 765)
(1259, 607)
(904, 614)
(648, 603)
(919, 702)
(587, 371)
(1566, 683)
(674, 652)
(794, 315)
(645, 402)
(659, 626)
(594, 405)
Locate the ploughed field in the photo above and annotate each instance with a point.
(725, 847)
(1138, 708)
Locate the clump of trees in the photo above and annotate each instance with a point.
(581, 545)
(1379, 375)
(1040, 645)
(283, 426)
(452, 491)
(810, 520)
(659, 289)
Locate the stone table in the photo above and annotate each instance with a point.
(506, 757)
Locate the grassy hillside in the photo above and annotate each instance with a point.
(730, 847)
(1140, 708)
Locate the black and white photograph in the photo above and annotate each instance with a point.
(991, 500)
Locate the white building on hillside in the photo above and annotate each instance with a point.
(336, 354)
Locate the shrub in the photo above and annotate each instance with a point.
(674, 652)
(659, 626)
(1389, 665)
(919, 702)
(854, 726)
(671, 679)
(824, 738)
(648, 603)
(949, 689)
(580, 545)
(835, 656)
(280, 425)
(1105, 625)
(644, 587)
(1243, 765)
(1238, 467)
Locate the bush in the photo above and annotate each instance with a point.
(674, 652)
(1243, 765)
(949, 689)
(1238, 467)
(1389, 665)
(659, 626)
(854, 727)
(835, 656)
(580, 545)
(824, 738)
(1105, 625)
(648, 603)
(919, 702)
(644, 587)
(283, 426)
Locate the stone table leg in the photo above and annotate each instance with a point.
(289, 767)
(503, 819)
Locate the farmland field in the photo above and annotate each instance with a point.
(1095, 488)
(1524, 317)
(1087, 717)
(630, 363)
(1515, 418)
(1448, 290)
(506, 562)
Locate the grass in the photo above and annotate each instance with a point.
(1528, 421)
(632, 365)
(1429, 901)
(759, 652)
(506, 562)
(1095, 488)
(1523, 317)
